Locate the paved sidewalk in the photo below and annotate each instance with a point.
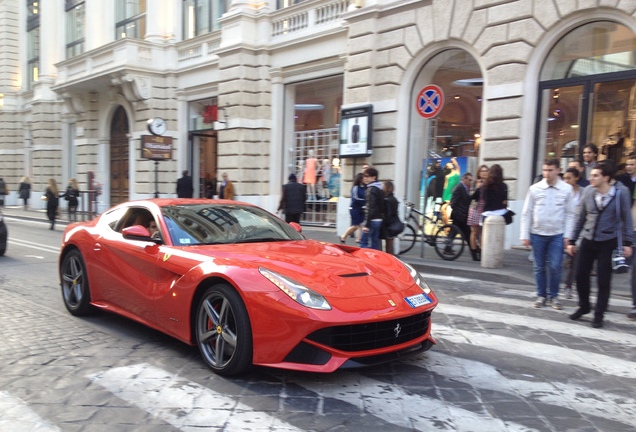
(517, 269)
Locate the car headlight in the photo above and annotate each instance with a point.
(296, 291)
(417, 278)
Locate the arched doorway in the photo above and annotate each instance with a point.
(587, 94)
(119, 157)
(452, 137)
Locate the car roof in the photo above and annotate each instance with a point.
(167, 202)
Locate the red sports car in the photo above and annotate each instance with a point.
(246, 287)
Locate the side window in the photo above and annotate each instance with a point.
(113, 217)
(134, 216)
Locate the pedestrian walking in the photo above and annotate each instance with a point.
(210, 186)
(571, 177)
(605, 213)
(547, 221)
(474, 213)
(24, 190)
(51, 196)
(226, 188)
(578, 164)
(374, 212)
(460, 203)
(590, 157)
(293, 200)
(629, 178)
(71, 195)
(185, 189)
(392, 224)
(356, 209)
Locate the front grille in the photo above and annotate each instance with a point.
(362, 337)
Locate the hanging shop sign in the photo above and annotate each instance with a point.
(156, 148)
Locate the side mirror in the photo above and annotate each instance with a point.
(138, 232)
(296, 226)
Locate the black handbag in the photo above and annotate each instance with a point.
(508, 216)
(619, 263)
(395, 227)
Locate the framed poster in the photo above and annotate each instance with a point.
(356, 127)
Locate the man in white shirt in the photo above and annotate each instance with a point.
(547, 222)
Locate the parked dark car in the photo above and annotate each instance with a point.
(3, 235)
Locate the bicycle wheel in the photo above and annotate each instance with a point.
(407, 239)
(449, 242)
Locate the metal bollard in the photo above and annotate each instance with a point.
(492, 242)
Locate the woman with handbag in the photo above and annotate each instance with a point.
(393, 226)
(356, 210)
(604, 218)
(474, 213)
(24, 190)
(51, 196)
(71, 195)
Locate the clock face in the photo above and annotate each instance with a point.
(157, 126)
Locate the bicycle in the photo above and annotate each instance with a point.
(446, 239)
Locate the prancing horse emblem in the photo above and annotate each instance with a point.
(397, 330)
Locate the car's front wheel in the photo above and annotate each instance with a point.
(75, 290)
(223, 330)
(3, 237)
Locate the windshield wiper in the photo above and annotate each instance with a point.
(261, 240)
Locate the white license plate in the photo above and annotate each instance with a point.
(418, 300)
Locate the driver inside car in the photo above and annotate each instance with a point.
(154, 229)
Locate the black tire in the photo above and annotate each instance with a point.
(223, 331)
(449, 242)
(407, 239)
(74, 280)
(3, 238)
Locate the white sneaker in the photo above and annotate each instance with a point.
(556, 304)
(568, 293)
(539, 302)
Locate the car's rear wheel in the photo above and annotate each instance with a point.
(223, 331)
(75, 290)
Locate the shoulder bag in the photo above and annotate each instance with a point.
(619, 263)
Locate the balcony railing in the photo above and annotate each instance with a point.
(307, 16)
(199, 48)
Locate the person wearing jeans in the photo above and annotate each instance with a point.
(547, 271)
(547, 221)
(374, 212)
(598, 224)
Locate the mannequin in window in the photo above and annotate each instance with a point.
(614, 147)
(309, 177)
(355, 132)
(324, 179)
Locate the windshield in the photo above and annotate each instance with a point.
(199, 224)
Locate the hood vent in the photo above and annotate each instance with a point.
(352, 275)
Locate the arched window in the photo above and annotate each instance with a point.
(594, 48)
(588, 94)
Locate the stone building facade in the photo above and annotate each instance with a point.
(255, 88)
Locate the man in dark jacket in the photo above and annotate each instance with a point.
(460, 203)
(293, 200)
(374, 212)
(184, 186)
